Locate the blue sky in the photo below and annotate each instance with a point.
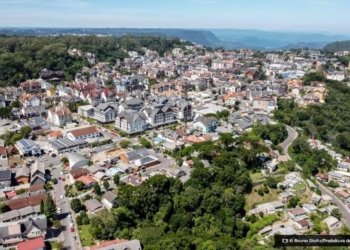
(291, 15)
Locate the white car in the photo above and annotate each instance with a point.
(59, 210)
(61, 196)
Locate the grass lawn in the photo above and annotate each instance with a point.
(257, 177)
(254, 198)
(300, 187)
(85, 236)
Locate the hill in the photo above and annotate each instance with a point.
(338, 46)
(203, 37)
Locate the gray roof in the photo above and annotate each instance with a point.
(39, 222)
(74, 158)
(9, 215)
(127, 245)
(137, 154)
(5, 175)
(63, 143)
(93, 205)
(110, 196)
(26, 211)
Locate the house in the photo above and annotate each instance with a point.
(131, 121)
(309, 208)
(5, 178)
(322, 177)
(159, 114)
(93, 206)
(315, 198)
(140, 158)
(12, 234)
(22, 176)
(87, 180)
(90, 132)
(206, 124)
(3, 153)
(32, 244)
(297, 214)
(332, 222)
(60, 116)
(105, 112)
(37, 173)
(118, 245)
(76, 160)
(76, 173)
(343, 194)
(302, 225)
(27, 147)
(109, 200)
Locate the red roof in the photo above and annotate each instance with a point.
(84, 131)
(34, 244)
(11, 194)
(87, 180)
(104, 244)
(2, 150)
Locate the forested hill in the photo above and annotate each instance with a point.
(23, 58)
(329, 122)
(338, 46)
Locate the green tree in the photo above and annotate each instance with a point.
(271, 182)
(79, 185)
(293, 202)
(336, 213)
(97, 189)
(116, 179)
(145, 143)
(50, 207)
(76, 205)
(106, 184)
(124, 143)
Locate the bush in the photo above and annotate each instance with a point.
(261, 192)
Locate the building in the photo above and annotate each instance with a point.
(90, 132)
(5, 178)
(27, 147)
(37, 173)
(59, 116)
(93, 206)
(109, 200)
(65, 145)
(206, 124)
(77, 161)
(33, 244)
(131, 122)
(22, 176)
(118, 245)
(105, 112)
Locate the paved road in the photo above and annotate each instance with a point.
(340, 204)
(70, 242)
(292, 135)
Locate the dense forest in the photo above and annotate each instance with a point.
(337, 46)
(23, 58)
(329, 122)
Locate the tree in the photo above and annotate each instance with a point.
(4, 208)
(79, 185)
(271, 182)
(106, 184)
(333, 184)
(76, 205)
(97, 189)
(50, 207)
(124, 143)
(145, 143)
(116, 179)
(293, 202)
(64, 160)
(226, 139)
(336, 213)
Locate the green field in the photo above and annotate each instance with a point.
(85, 236)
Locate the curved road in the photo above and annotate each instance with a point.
(292, 135)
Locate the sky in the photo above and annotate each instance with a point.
(330, 16)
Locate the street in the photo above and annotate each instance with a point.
(292, 135)
(62, 203)
(340, 204)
